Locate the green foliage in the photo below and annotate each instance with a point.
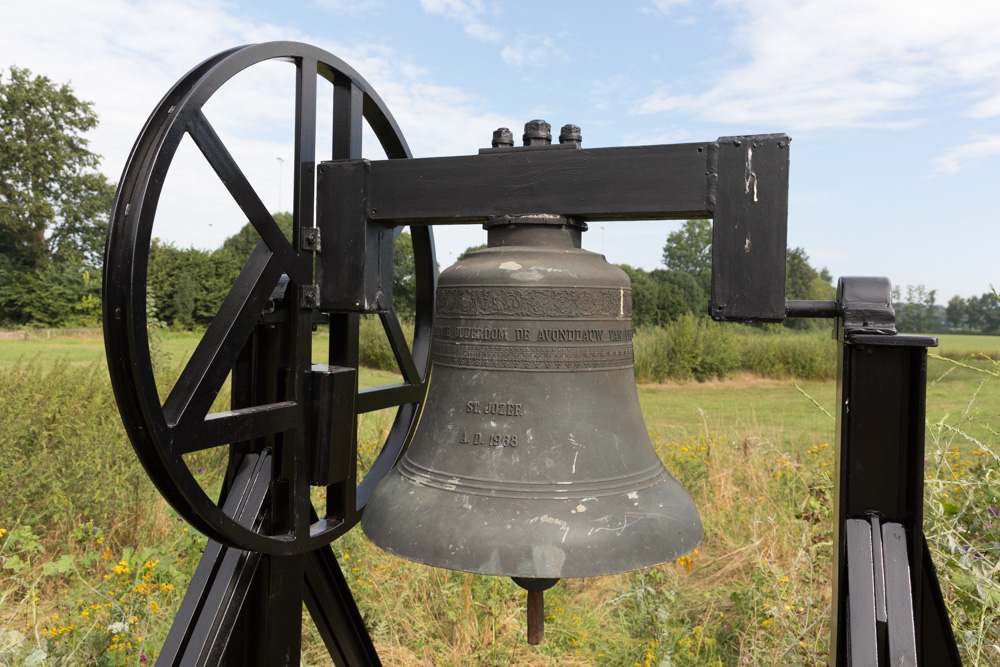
(777, 354)
(683, 349)
(53, 205)
(918, 312)
(466, 252)
(51, 198)
(689, 249)
(404, 278)
(659, 297)
(962, 522)
(984, 313)
(242, 243)
(375, 351)
(190, 284)
(66, 293)
(699, 349)
(802, 281)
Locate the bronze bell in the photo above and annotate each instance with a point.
(532, 459)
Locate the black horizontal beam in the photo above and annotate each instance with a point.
(633, 183)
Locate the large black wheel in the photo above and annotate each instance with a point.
(267, 429)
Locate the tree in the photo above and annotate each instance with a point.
(802, 281)
(955, 313)
(689, 249)
(466, 252)
(242, 243)
(678, 293)
(644, 293)
(984, 313)
(52, 201)
(404, 278)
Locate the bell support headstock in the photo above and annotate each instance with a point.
(741, 182)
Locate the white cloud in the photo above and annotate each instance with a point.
(611, 92)
(966, 154)
(468, 13)
(124, 55)
(987, 108)
(820, 64)
(532, 50)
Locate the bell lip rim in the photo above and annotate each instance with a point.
(568, 573)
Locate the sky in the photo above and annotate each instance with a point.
(892, 106)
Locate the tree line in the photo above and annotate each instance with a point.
(54, 208)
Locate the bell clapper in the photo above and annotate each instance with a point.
(536, 605)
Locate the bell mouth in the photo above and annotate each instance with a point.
(537, 231)
(535, 538)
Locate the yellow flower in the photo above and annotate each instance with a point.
(3, 531)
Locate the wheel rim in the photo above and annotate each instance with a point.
(162, 433)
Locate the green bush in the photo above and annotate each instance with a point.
(63, 447)
(375, 351)
(689, 348)
(811, 356)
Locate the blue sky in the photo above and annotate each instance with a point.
(893, 106)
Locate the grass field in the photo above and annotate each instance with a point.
(743, 403)
(88, 546)
(953, 345)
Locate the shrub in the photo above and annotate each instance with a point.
(690, 348)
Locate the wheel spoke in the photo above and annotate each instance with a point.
(389, 396)
(400, 347)
(224, 428)
(239, 187)
(206, 371)
(305, 145)
(348, 110)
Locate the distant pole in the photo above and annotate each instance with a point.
(281, 164)
(602, 239)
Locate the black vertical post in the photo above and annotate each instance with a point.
(879, 481)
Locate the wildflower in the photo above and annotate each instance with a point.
(3, 531)
(992, 511)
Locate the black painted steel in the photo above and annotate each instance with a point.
(749, 229)
(218, 589)
(163, 433)
(532, 459)
(635, 183)
(332, 607)
(811, 308)
(899, 597)
(879, 478)
(863, 645)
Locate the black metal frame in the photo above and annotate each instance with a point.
(887, 604)
(293, 424)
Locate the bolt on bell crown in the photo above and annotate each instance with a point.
(532, 458)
